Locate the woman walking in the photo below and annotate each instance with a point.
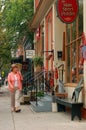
(15, 86)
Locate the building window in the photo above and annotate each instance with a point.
(72, 53)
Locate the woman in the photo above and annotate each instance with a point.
(15, 86)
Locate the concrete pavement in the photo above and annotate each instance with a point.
(30, 120)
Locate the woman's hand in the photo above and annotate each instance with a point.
(12, 88)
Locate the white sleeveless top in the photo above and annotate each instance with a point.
(15, 81)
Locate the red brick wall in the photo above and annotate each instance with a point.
(49, 17)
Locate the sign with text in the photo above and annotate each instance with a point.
(67, 10)
(30, 54)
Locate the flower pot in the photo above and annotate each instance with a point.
(37, 68)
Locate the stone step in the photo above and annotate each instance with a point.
(44, 104)
(46, 98)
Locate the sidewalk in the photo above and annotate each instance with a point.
(29, 120)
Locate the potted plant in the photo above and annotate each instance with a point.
(40, 94)
(38, 63)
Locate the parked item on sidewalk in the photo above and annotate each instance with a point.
(15, 86)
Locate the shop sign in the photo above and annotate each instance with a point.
(30, 54)
(67, 10)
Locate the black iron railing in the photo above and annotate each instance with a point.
(33, 82)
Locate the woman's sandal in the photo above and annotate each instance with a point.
(19, 110)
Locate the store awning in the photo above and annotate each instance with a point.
(43, 7)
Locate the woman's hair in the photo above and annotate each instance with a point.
(13, 66)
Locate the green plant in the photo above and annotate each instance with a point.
(40, 94)
(38, 61)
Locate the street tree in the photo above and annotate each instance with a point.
(15, 17)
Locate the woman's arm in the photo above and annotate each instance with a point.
(9, 82)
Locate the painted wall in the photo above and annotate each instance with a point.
(49, 39)
(59, 28)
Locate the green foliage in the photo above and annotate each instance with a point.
(38, 61)
(15, 16)
(40, 94)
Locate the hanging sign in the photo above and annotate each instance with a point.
(30, 54)
(67, 10)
